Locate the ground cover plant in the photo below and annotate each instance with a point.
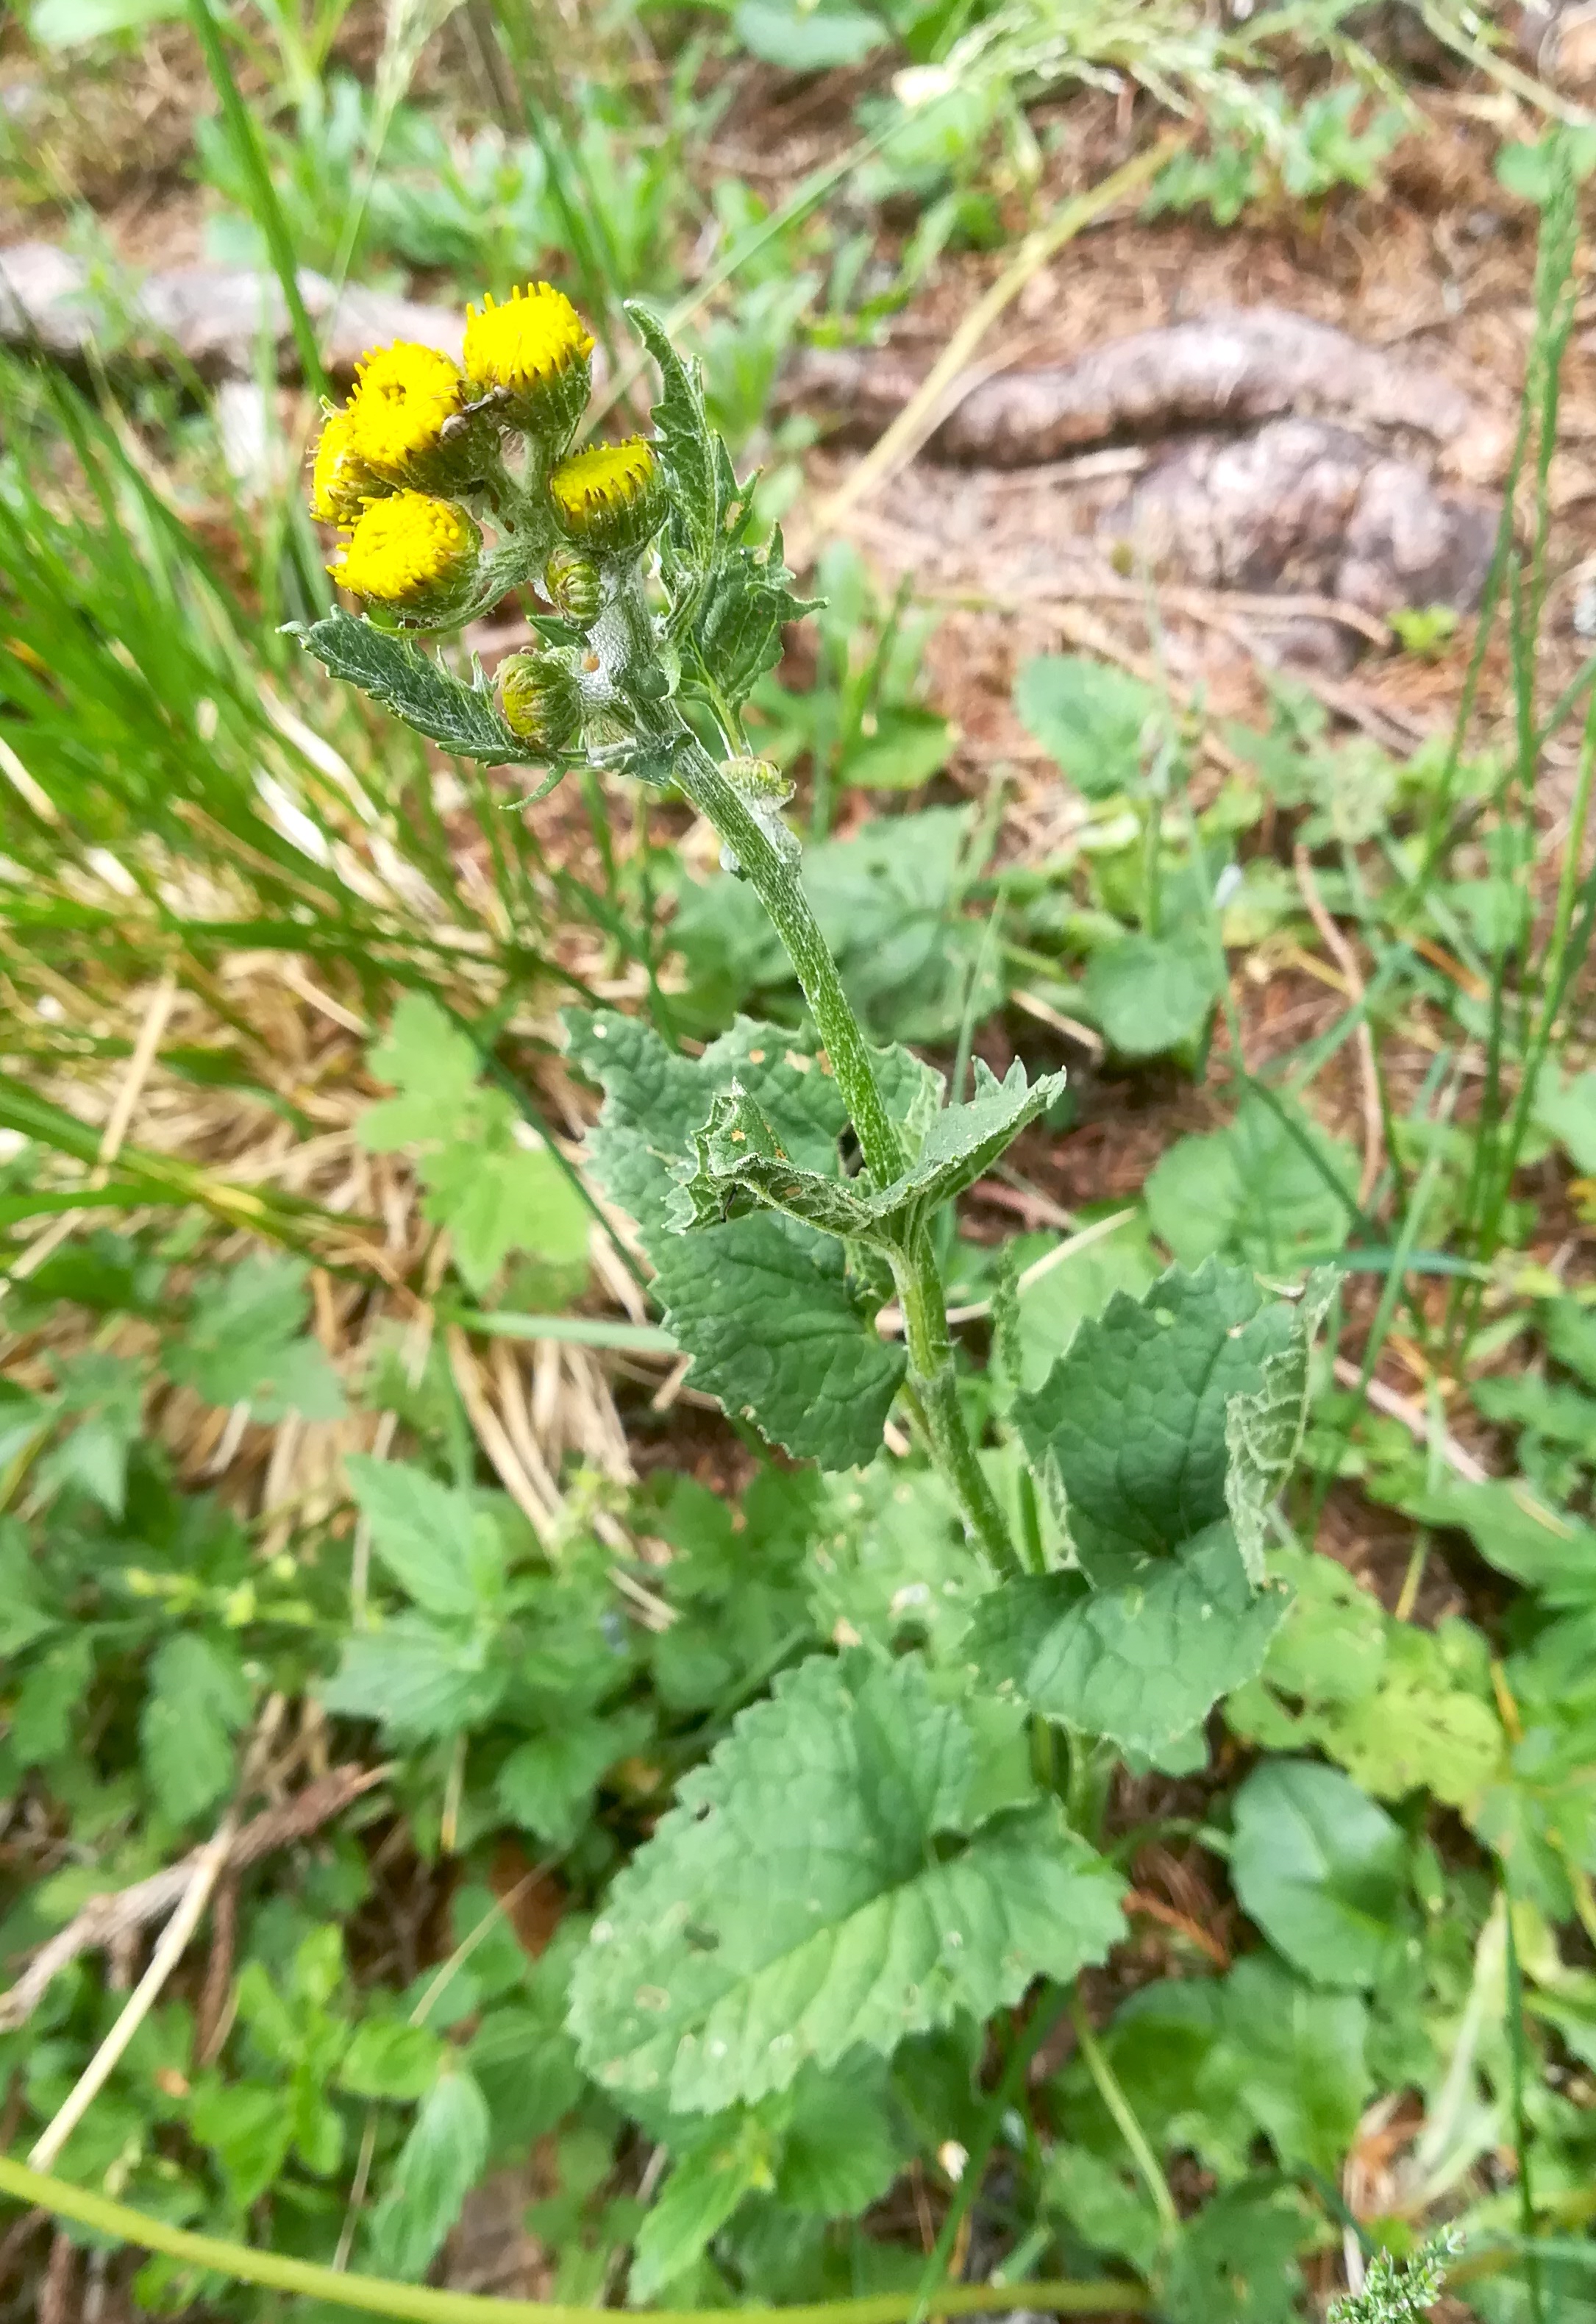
(799, 1405)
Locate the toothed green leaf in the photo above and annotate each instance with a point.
(416, 686)
(1141, 1662)
(821, 1886)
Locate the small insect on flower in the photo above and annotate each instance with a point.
(611, 497)
(404, 395)
(411, 551)
(539, 699)
(341, 483)
(531, 354)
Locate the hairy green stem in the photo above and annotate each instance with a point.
(373, 2296)
(933, 1372)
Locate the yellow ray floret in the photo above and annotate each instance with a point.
(608, 494)
(529, 341)
(409, 550)
(403, 395)
(341, 483)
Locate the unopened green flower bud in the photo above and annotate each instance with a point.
(539, 699)
(611, 497)
(574, 587)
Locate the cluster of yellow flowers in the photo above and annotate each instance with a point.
(419, 430)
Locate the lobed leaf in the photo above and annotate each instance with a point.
(792, 1906)
(461, 718)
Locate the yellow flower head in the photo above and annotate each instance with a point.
(411, 551)
(533, 350)
(403, 396)
(610, 497)
(341, 483)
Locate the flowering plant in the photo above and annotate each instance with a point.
(873, 1852)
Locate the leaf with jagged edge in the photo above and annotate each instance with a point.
(655, 1102)
(685, 445)
(779, 1326)
(1129, 1430)
(1142, 1662)
(460, 718)
(739, 1153)
(793, 1905)
(1263, 1431)
(766, 1310)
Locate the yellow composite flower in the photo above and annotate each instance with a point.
(341, 483)
(533, 350)
(609, 496)
(410, 550)
(404, 395)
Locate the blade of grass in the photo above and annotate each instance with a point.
(251, 160)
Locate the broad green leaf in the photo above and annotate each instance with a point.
(907, 749)
(839, 2155)
(1571, 1336)
(434, 1065)
(416, 686)
(1320, 1869)
(247, 1343)
(70, 24)
(892, 1565)
(247, 2127)
(738, 1148)
(1255, 1192)
(101, 1397)
(442, 1550)
(525, 2064)
(704, 2188)
(1517, 1531)
(496, 1188)
(1130, 1427)
(1142, 1661)
(438, 2166)
(389, 2059)
(1293, 2058)
(808, 39)
(1150, 993)
(49, 1702)
(1108, 2209)
(198, 1701)
(1090, 717)
(547, 1785)
(1402, 1709)
(418, 1680)
(656, 1101)
(25, 1617)
(1566, 1111)
(792, 1907)
(1235, 2260)
(736, 629)
(764, 1308)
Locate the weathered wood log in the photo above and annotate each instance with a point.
(1229, 367)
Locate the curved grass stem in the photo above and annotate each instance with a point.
(374, 2296)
